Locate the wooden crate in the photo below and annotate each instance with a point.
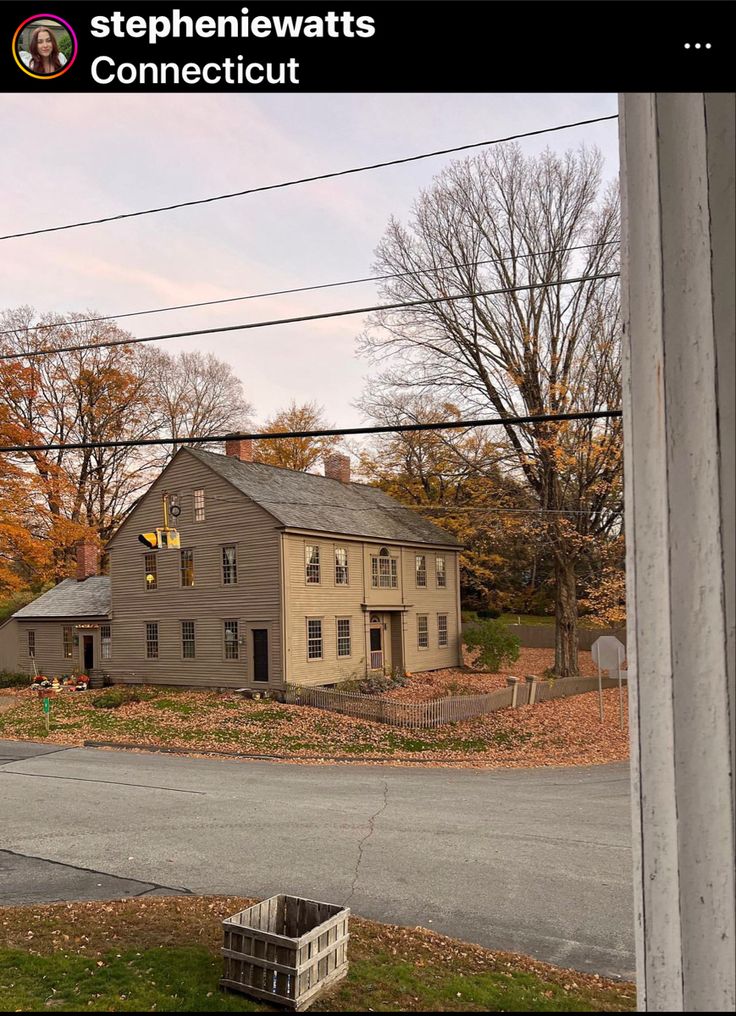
(286, 950)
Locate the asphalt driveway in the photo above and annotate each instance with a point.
(528, 860)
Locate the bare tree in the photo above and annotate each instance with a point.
(195, 395)
(551, 348)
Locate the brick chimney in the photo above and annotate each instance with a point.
(87, 554)
(337, 467)
(240, 448)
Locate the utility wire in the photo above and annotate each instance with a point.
(399, 428)
(304, 289)
(301, 319)
(307, 179)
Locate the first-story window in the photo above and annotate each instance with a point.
(199, 505)
(311, 556)
(152, 640)
(105, 641)
(68, 641)
(32, 644)
(423, 631)
(442, 629)
(314, 639)
(187, 640)
(343, 636)
(232, 644)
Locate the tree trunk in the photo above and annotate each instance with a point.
(566, 620)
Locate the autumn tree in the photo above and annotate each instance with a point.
(489, 227)
(301, 453)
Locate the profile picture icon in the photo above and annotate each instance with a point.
(45, 46)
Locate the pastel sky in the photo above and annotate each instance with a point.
(74, 157)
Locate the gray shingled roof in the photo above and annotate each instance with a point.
(307, 501)
(70, 598)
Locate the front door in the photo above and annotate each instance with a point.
(88, 646)
(260, 654)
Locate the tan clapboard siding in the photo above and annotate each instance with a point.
(430, 601)
(230, 518)
(329, 601)
(50, 659)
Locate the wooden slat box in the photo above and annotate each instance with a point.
(286, 950)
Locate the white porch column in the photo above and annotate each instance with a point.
(677, 164)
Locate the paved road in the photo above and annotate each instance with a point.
(534, 861)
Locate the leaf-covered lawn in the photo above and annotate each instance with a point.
(560, 732)
(162, 954)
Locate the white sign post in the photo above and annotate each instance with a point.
(608, 654)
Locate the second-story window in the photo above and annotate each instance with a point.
(187, 567)
(229, 565)
(311, 556)
(341, 566)
(199, 505)
(384, 570)
(441, 571)
(150, 570)
(421, 570)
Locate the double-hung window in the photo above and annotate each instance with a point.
(68, 641)
(441, 571)
(32, 644)
(314, 638)
(341, 566)
(311, 557)
(150, 570)
(187, 640)
(442, 630)
(232, 644)
(229, 565)
(343, 636)
(105, 641)
(187, 567)
(423, 631)
(421, 570)
(199, 505)
(152, 640)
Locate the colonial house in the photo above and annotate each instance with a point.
(281, 576)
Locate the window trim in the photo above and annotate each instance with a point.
(225, 622)
(440, 643)
(148, 588)
(321, 622)
(420, 570)
(147, 641)
(193, 640)
(341, 547)
(182, 551)
(348, 621)
(197, 507)
(106, 639)
(419, 644)
(311, 564)
(235, 547)
(443, 572)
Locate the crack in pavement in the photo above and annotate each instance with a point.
(362, 843)
(107, 783)
(103, 874)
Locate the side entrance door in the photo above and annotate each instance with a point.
(376, 642)
(260, 654)
(88, 646)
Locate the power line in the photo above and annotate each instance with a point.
(307, 179)
(303, 318)
(399, 428)
(305, 289)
